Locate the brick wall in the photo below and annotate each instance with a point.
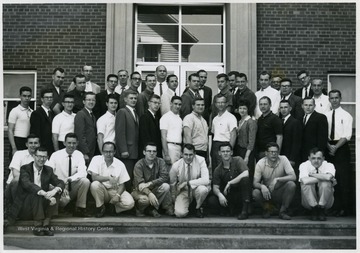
(319, 37)
(45, 36)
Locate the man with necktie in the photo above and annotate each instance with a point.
(190, 95)
(172, 82)
(305, 81)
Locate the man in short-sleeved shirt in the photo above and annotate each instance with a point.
(274, 181)
(231, 184)
(109, 176)
(322, 103)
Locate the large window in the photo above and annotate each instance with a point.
(181, 38)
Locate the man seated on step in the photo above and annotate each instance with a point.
(317, 180)
(274, 182)
(189, 180)
(69, 165)
(34, 200)
(109, 175)
(231, 184)
(151, 188)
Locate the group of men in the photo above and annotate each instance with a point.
(153, 149)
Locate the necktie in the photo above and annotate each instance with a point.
(316, 184)
(306, 92)
(69, 172)
(197, 94)
(332, 131)
(189, 190)
(92, 117)
(136, 117)
(49, 115)
(161, 91)
(283, 120)
(122, 89)
(305, 120)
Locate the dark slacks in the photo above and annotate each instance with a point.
(129, 164)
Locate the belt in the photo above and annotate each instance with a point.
(175, 143)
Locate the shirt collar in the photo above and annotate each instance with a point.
(88, 110)
(23, 108)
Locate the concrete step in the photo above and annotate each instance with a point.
(79, 241)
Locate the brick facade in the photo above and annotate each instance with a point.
(319, 37)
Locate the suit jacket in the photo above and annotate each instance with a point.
(315, 134)
(100, 106)
(246, 95)
(85, 129)
(149, 131)
(95, 88)
(26, 185)
(292, 135)
(41, 124)
(208, 100)
(57, 97)
(126, 133)
(295, 102)
(187, 99)
(298, 92)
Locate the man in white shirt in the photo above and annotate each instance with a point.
(109, 175)
(89, 86)
(106, 123)
(340, 124)
(268, 91)
(123, 76)
(189, 180)
(171, 131)
(19, 121)
(305, 80)
(172, 82)
(161, 86)
(317, 177)
(224, 129)
(63, 123)
(322, 104)
(69, 165)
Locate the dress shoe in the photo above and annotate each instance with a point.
(199, 213)
(314, 213)
(243, 216)
(322, 216)
(80, 212)
(138, 213)
(154, 213)
(266, 214)
(101, 211)
(284, 216)
(341, 213)
(170, 212)
(38, 231)
(47, 231)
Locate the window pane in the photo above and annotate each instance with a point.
(158, 34)
(346, 84)
(158, 14)
(202, 14)
(166, 53)
(13, 83)
(202, 34)
(201, 53)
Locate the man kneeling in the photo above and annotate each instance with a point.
(189, 179)
(151, 188)
(317, 180)
(109, 175)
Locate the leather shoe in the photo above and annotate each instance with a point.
(38, 231)
(243, 216)
(154, 213)
(101, 211)
(322, 216)
(341, 213)
(170, 212)
(47, 231)
(314, 213)
(266, 214)
(138, 213)
(284, 216)
(199, 213)
(80, 212)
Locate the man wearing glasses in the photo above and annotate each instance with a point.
(294, 101)
(63, 123)
(34, 200)
(274, 182)
(305, 80)
(151, 188)
(41, 121)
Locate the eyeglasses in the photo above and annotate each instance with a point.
(41, 157)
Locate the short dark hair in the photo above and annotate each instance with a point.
(188, 146)
(150, 143)
(263, 73)
(44, 91)
(219, 95)
(308, 98)
(267, 98)
(89, 93)
(108, 143)
(175, 98)
(112, 96)
(70, 135)
(315, 150)
(135, 73)
(272, 144)
(41, 149)
(68, 95)
(111, 75)
(193, 74)
(285, 101)
(155, 96)
(149, 75)
(170, 76)
(226, 144)
(25, 88)
(32, 136)
(286, 80)
(335, 91)
(243, 75)
(222, 75)
(233, 72)
(61, 70)
(197, 99)
(302, 72)
(129, 92)
(78, 76)
(201, 71)
(243, 102)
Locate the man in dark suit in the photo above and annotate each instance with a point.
(305, 80)
(149, 129)
(190, 94)
(135, 81)
(315, 129)
(292, 132)
(89, 85)
(101, 98)
(144, 97)
(55, 85)
(41, 121)
(34, 200)
(295, 102)
(85, 127)
(205, 93)
(243, 93)
(127, 134)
